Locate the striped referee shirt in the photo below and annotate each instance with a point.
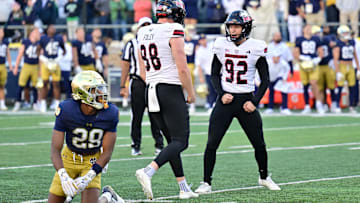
(130, 54)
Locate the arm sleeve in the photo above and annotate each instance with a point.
(216, 76)
(126, 54)
(263, 70)
(115, 120)
(291, 67)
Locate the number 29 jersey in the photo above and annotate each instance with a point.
(154, 45)
(84, 134)
(238, 63)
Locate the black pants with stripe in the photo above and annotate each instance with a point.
(138, 107)
(220, 120)
(173, 120)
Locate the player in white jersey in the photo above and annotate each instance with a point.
(236, 59)
(163, 58)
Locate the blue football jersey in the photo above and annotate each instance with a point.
(308, 47)
(51, 45)
(190, 47)
(84, 51)
(30, 56)
(101, 49)
(346, 49)
(327, 49)
(84, 134)
(3, 48)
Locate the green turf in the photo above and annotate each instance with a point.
(236, 168)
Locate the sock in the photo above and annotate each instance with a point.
(333, 95)
(105, 195)
(306, 94)
(263, 174)
(2, 103)
(35, 94)
(339, 96)
(149, 170)
(184, 186)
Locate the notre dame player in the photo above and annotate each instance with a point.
(88, 123)
(162, 54)
(237, 57)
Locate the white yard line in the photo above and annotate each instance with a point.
(201, 154)
(163, 199)
(354, 148)
(240, 147)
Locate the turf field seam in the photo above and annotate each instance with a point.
(310, 147)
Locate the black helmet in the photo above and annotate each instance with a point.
(239, 17)
(174, 9)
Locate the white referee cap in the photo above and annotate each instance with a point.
(144, 20)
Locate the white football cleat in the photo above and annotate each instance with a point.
(352, 110)
(268, 111)
(157, 151)
(269, 183)
(3, 107)
(337, 110)
(204, 187)
(306, 110)
(145, 182)
(42, 106)
(115, 198)
(135, 152)
(16, 106)
(187, 195)
(285, 112)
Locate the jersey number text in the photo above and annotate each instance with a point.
(153, 52)
(229, 67)
(88, 139)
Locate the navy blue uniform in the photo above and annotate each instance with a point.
(3, 48)
(51, 45)
(84, 134)
(84, 51)
(190, 50)
(30, 55)
(308, 47)
(327, 49)
(346, 50)
(101, 49)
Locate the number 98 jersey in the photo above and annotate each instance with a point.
(238, 63)
(153, 43)
(84, 134)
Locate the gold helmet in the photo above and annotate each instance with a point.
(344, 32)
(91, 89)
(202, 90)
(315, 29)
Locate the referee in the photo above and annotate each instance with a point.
(130, 65)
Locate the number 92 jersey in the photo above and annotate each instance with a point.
(238, 63)
(153, 42)
(84, 134)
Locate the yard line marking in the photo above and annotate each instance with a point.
(201, 154)
(24, 143)
(163, 199)
(240, 147)
(257, 187)
(354, 148)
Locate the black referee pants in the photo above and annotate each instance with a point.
(220, 120)
(173, 120)
(138, 107)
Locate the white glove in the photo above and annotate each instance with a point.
(304, 58)
(78, 69)
(104, 170)
(44, 59)
(58, 59)
(358, 74)
(99, 66)
(316, 60)
(83, 181)
(68, 184)
(339, 76)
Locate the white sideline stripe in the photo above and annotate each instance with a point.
(205, 132)
(257, 187)
(240, 147)
(354, 148)
(201, 154)
(163, 199)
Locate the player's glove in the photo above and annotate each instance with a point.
(83, 181)
(99, 66)
(68, 184)
(316, 60)
(77, 69)
(339, 76)
(358, 74)
(44, 59)
(304, 58)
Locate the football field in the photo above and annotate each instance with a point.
(312, 158)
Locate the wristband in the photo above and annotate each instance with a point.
(97, 168)
(121, 87)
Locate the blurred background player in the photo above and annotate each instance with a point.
(326, 73)
(236, 60)
(190, 48)
(164, 61)
(90, 137)
(309, 52)
(344, 54)
(50, 43)
(65, 65)
(30, 69)
(279, 70)
(83, 51)
(102, 62)
(356, 87)
(4, 55)
(130, 65)
(203, 59)
(280, 47)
